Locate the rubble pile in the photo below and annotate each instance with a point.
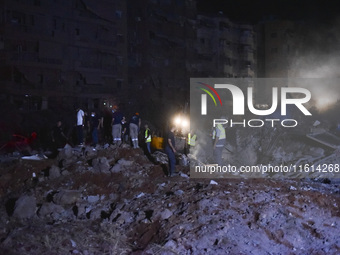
(119, 201)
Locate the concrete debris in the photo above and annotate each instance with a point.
(67, 197)
(140, 195)
(25, 207)
(179, 192)
(116, 168)
(316, 123)
(124, 162)
(160, 157)
(93, 199)
(184, 175)
(212, 182)
(101, 165)
(118, 200)
(34, 157)
(50, 210)
(183, 160)
(54, 172)
(166, 214)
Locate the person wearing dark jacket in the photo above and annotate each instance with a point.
(170, 150)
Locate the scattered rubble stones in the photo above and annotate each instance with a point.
(115, 200)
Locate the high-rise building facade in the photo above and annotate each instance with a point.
(225, 48)
(57, 52)
(162, 51)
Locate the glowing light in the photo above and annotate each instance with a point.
(178, 120)
(185, 123)
(182, 123)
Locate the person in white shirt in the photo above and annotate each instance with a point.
(80, 125)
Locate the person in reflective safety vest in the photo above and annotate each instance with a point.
(219, 143)
(147, 137)
(191, 140)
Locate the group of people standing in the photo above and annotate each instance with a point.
(116, 128)
(92, 124)
(110, 126)
(113, 127)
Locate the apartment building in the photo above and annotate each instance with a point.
(225, 48)
(162, 51)
(57, 52)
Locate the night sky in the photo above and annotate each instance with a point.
(255, 10)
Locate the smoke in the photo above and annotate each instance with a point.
(318, 56)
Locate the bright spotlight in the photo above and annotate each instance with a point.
(185, 123)
(178, 120)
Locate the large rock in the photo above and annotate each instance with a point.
(160, 157)
(54, 172)
(101, 165)
(25, 207)
(90, 151)
(166, 214)
(66, 153)
(121, 165)
(66, 197)
(66, 156)
(124, 162)
(50, 210)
